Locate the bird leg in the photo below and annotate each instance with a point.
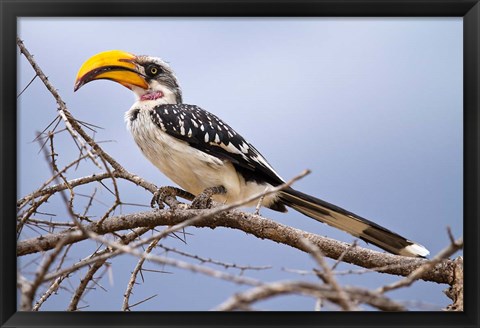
(260, 202)
(160, 196)
(204, 199)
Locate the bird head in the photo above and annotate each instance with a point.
(148, 77)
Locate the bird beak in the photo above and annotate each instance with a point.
(115, 65)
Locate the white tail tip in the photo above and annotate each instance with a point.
(415, 250)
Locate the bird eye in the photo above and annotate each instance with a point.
(153, 70)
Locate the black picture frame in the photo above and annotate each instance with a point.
(10, 10)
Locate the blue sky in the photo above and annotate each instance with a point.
(372, 106)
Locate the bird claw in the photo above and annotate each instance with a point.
(204, 199)
(160, 197)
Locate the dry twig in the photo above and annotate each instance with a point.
(244, 300)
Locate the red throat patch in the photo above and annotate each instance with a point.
(152, 95)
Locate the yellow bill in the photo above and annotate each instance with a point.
(115, 65)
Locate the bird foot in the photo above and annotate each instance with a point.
(166, 195)
(204, 199)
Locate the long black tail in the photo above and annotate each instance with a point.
(353, 224)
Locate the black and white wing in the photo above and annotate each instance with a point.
(204, 131)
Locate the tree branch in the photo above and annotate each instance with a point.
(244, 300)
(260, 227)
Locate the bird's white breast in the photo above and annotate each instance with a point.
(190, 168)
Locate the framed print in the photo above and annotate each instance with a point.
(153, 150)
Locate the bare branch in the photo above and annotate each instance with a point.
(176, 263)
(257, 226)
(133, 277)
(216, 262)
(30, 289)
(64, 114)
(242, 300)
(84, 283)
(327, 276)
(52, 289)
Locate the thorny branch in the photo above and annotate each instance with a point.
(440, 269)
(203, 260)
(255, 225)
(327, 276)
(133, 277)
(243, 300)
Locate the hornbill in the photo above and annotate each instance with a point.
(205, 156)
